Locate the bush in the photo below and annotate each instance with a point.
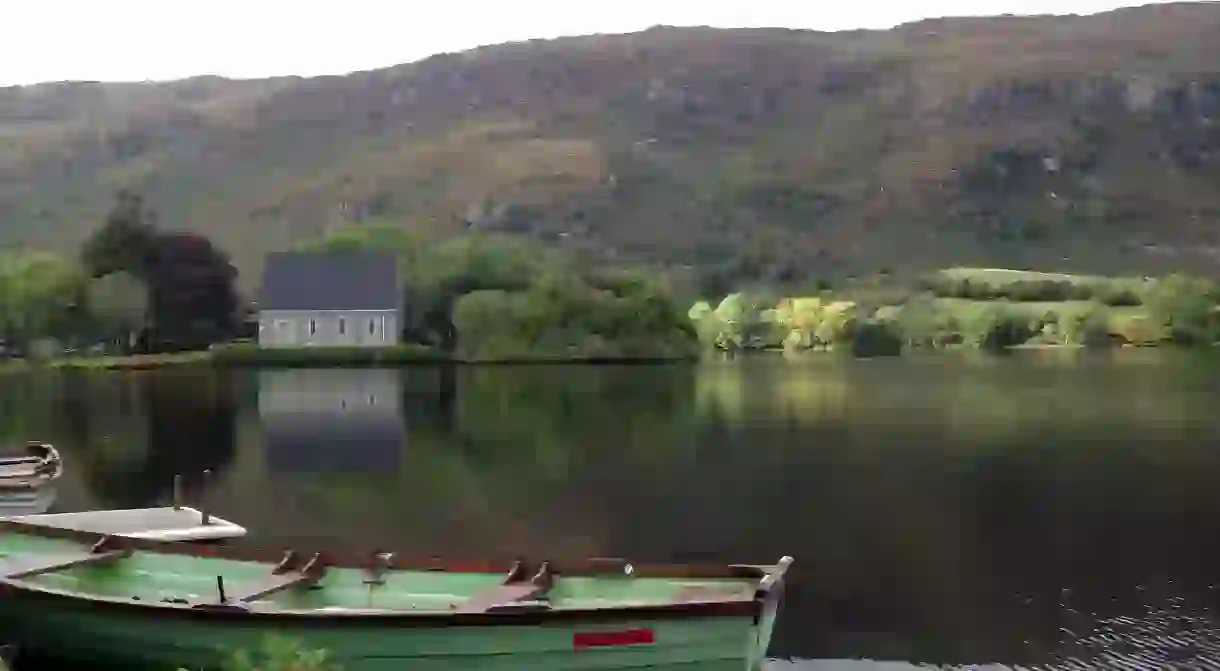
(875, 338)
(1008, 330)
(279, 654)
(1118, 297)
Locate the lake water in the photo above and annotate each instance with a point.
(957, 510)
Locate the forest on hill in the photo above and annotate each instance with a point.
(761, 156)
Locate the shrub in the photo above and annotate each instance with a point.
(279, 654)
(1118, 297)
(875, 338)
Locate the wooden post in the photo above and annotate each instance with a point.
(203, 505)
(177, 492)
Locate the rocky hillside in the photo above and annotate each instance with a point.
(1083, 143)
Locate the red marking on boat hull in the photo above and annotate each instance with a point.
(603, 639)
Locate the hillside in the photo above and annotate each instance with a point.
(1082, 143)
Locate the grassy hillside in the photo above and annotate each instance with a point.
(1089, 144)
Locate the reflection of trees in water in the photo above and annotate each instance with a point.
(25, 408)
(185, 422)
(981, 394)
(522, 458)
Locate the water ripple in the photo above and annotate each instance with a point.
(1175, 634)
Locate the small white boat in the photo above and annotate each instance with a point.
(38, 465)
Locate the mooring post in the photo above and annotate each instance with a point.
(203, 500)
(177, 492)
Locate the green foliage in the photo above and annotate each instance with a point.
(982, 287)
(1085, 327)
(279, 653)
(1187, 307)
(191, 299)
(500, 297)
(463, 265)
(118, 307)
(566, 315)
(876, 338)
(40, 297)
(733, 318)
(124, 241)
(922, 323)
(741, 321)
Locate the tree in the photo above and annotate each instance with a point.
(191, 298)
(562, 315)
(876, 338)
(1085, 327)
(707, 324)
(194, 301)
(977, 327)
(39, 297)
(917, 323)
(732, 317)
(124, 241)
(118, 304)
(460, 266)
(1187, 307)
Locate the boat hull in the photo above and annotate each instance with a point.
(67, 629)
(75, 596)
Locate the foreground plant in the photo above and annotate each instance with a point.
(278, 653)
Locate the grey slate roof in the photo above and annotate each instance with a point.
(340, 280)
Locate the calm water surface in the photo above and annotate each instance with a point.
(1046, 510)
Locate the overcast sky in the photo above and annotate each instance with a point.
(135, 40)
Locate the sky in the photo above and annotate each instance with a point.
(138, 40)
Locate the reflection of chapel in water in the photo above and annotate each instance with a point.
(317, 421)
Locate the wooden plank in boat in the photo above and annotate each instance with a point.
(16, 568)
(290, 573)
(513, 593)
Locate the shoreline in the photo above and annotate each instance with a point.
(316, 357)
(321, 357)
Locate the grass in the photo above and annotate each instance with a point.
(102, 362)
(131, 362)
(253, 356)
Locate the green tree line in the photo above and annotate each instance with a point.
(131, 286)
(494, 296)
(1178, 309)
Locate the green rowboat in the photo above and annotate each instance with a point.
(142, 604)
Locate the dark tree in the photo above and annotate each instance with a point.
(124, 240)
(193, 299)
(190, 282)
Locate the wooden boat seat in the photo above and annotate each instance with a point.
(379, 565)
(277, 584)
(287, 575)
(513, 593)
(17, 568)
